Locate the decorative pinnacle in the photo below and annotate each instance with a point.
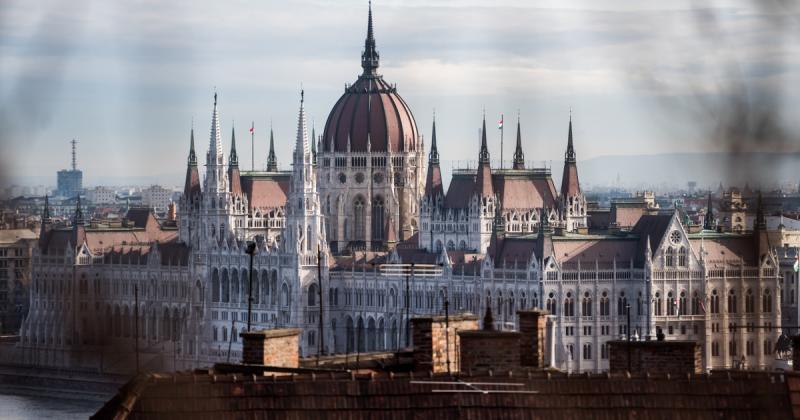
(569, 156)
(233, 160)
(192, 155)
(433, 156)
(519, 156)
(370, 57)
(483, 157)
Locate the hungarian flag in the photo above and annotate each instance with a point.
(252, 127)
(500, 123)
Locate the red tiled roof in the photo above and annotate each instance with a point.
(433, 182)
(266, 191)
(524, 192)
(235, 181)
(191, 187)
(569, 181)
(726, 247)
(402, 396)
(627, 217)
(460, 191)
(623, 250)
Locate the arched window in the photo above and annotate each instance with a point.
(284, 295)
(696, 306)
(451, 246)
(605, 305)
(670, 304)
(657, 304)
(215, 285)
(732, 301)
(312, 295)
(622, 303)
(766, 302)
(226, 286)
(669, 258)
(358, 219)
(569, 305)
(714, 302)
(308, 238)
(682, 257)
(462, 245)
(551, 303)
(235, 286)
(749, 302)
(586, 305)
(377, 218)
(682, 304)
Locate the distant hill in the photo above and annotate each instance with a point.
(707, 169)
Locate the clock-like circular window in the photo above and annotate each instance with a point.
(359, 178)
(377, 178)
(342, 178)
(675, 237)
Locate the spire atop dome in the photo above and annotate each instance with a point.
(519, 157)
(233, 159)
(370, 56)
(272, 160)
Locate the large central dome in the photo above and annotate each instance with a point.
(370, 110)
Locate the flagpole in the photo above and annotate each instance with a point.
(252, 146)
(502, 126)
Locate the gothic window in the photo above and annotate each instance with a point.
(587, 351)
(284, 295)
(462, 245)
(696, 306)
(551, 303)
(682, 257)
(213, 231)
(670, 304)
(714, 302)
(732, 302)
(235, 286)
(604, 305)
(766, 301)
(308, 238)
(669, 258)
(569, 305)
(359, 219)
(215, 285)
(377, 218)
(226, 286)
(657, 304)
(438, 246)
(749, 302)
(682, 304)
(586, 305)
(451, 246)
(622, 302)
(312, 295)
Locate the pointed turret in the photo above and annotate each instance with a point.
(46, 223)
(78, 229)
(761, 222)
(708, 220)
(215, 159)
(570, 186)
(433, 183)
(519, 157)
(272, 161)
(78, 216)
(234, 180)
(302, 153)
(191, 187)
(313, 142)
(483, 180)
(370, 57)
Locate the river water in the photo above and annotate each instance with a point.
(27, 406)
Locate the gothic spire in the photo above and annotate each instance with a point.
(233, 159)
(192, 155)
(761, 221)
(433, 156)
(313, 142)
(483, 157)
(301, 149)
(272, 161)
(78, 212)
(708, 220)
(569, 156)
(215, 140)
(519, 157)
(370, 56)
(46, 210)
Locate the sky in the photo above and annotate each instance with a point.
(129, 79)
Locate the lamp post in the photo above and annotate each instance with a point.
(251, 251)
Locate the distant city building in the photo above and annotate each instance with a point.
(156, 197)
(15, 272)
(101, 195)
(70, 181)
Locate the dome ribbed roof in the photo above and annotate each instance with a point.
(370, 108)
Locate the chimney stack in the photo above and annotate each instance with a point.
(279, 347)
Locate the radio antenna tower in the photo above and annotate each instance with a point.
(74, 156)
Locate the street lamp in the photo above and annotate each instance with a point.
(251, 251)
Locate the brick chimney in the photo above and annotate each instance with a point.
(488, 348)
(655, 357)
(533, 342)
(279, 347)
(431, 344)
(172, 212)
